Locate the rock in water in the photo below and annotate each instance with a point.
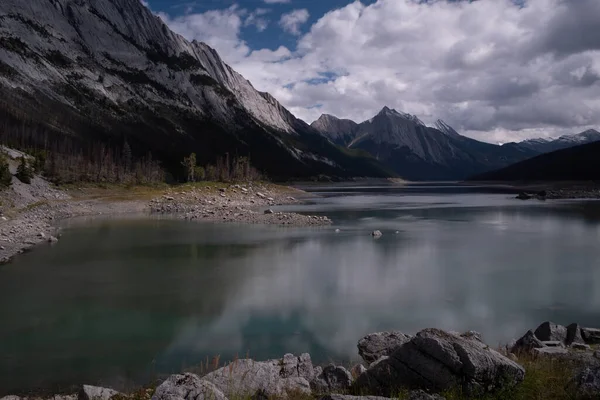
(379, 344)
(591, 335)
(526, 344)
(376, 234)
(548, 332)
(88, 392)
(273, 378)
(269, 211)
(523, 196)
(574, 335)
(436, 361)
(187, 387)
(331, 380)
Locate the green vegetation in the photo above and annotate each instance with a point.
(24, 171)
(5, 175)
(225, 170)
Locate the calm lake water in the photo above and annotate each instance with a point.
(118, 302)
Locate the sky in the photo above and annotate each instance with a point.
(496, 70)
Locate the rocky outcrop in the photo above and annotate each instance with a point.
(591, 335)
(88, 392)
(549, 331)
(527, 343)
(187, 387)
(586, 384)
(271, 378)
(422, 395)
(376, 345)
(436, 360)
(332, 379)
(574, 335)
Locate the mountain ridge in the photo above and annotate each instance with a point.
(415, 151)
(111, 70)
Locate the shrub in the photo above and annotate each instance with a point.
(24, 172)
(5, 175)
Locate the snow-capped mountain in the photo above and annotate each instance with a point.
(543, 145)
(107, 69)
(415, 151)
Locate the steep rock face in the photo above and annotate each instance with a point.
(108, 69)
(415, 151)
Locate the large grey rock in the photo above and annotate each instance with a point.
(187, 387)
(574, 334)
(331, 380)
(88, 392)
(379, 344)
(346, 397)
(436, 361)
(422, 395)
(271, 378)
(591, 335)
(550, 351)
(587, 383)
(551, 332)
(526, 344)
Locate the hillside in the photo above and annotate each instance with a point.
(580, 163)
(84, 77)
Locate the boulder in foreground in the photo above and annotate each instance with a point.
(187, 387)
(269, 378)
(88, 392)
(437, 361)
(375, 345)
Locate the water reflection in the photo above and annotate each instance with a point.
(117, 301)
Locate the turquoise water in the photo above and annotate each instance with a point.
(118, 302)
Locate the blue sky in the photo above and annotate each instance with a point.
(273, 36)
(495, 70)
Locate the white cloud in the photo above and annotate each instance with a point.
(257, 19)
(277, 1)
(493, 70)
(290, 22)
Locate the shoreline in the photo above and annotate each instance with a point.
(559, 190)
(426, 365)
(34, 218)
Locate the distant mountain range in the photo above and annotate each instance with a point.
(77, 73)
(415, 151)
(578, 163)
(548, 145)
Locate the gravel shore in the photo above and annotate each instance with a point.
(30, 214)
(247, 203)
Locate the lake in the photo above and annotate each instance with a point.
(118, 302)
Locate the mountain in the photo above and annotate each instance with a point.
(75, 73)
(338, 130)
(579, 163)
(548, 145)
(417, 152)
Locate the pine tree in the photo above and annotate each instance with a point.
(127, 156)
(5, 175)
(24, 172)
(189, 163)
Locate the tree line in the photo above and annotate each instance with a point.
(65, 159)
